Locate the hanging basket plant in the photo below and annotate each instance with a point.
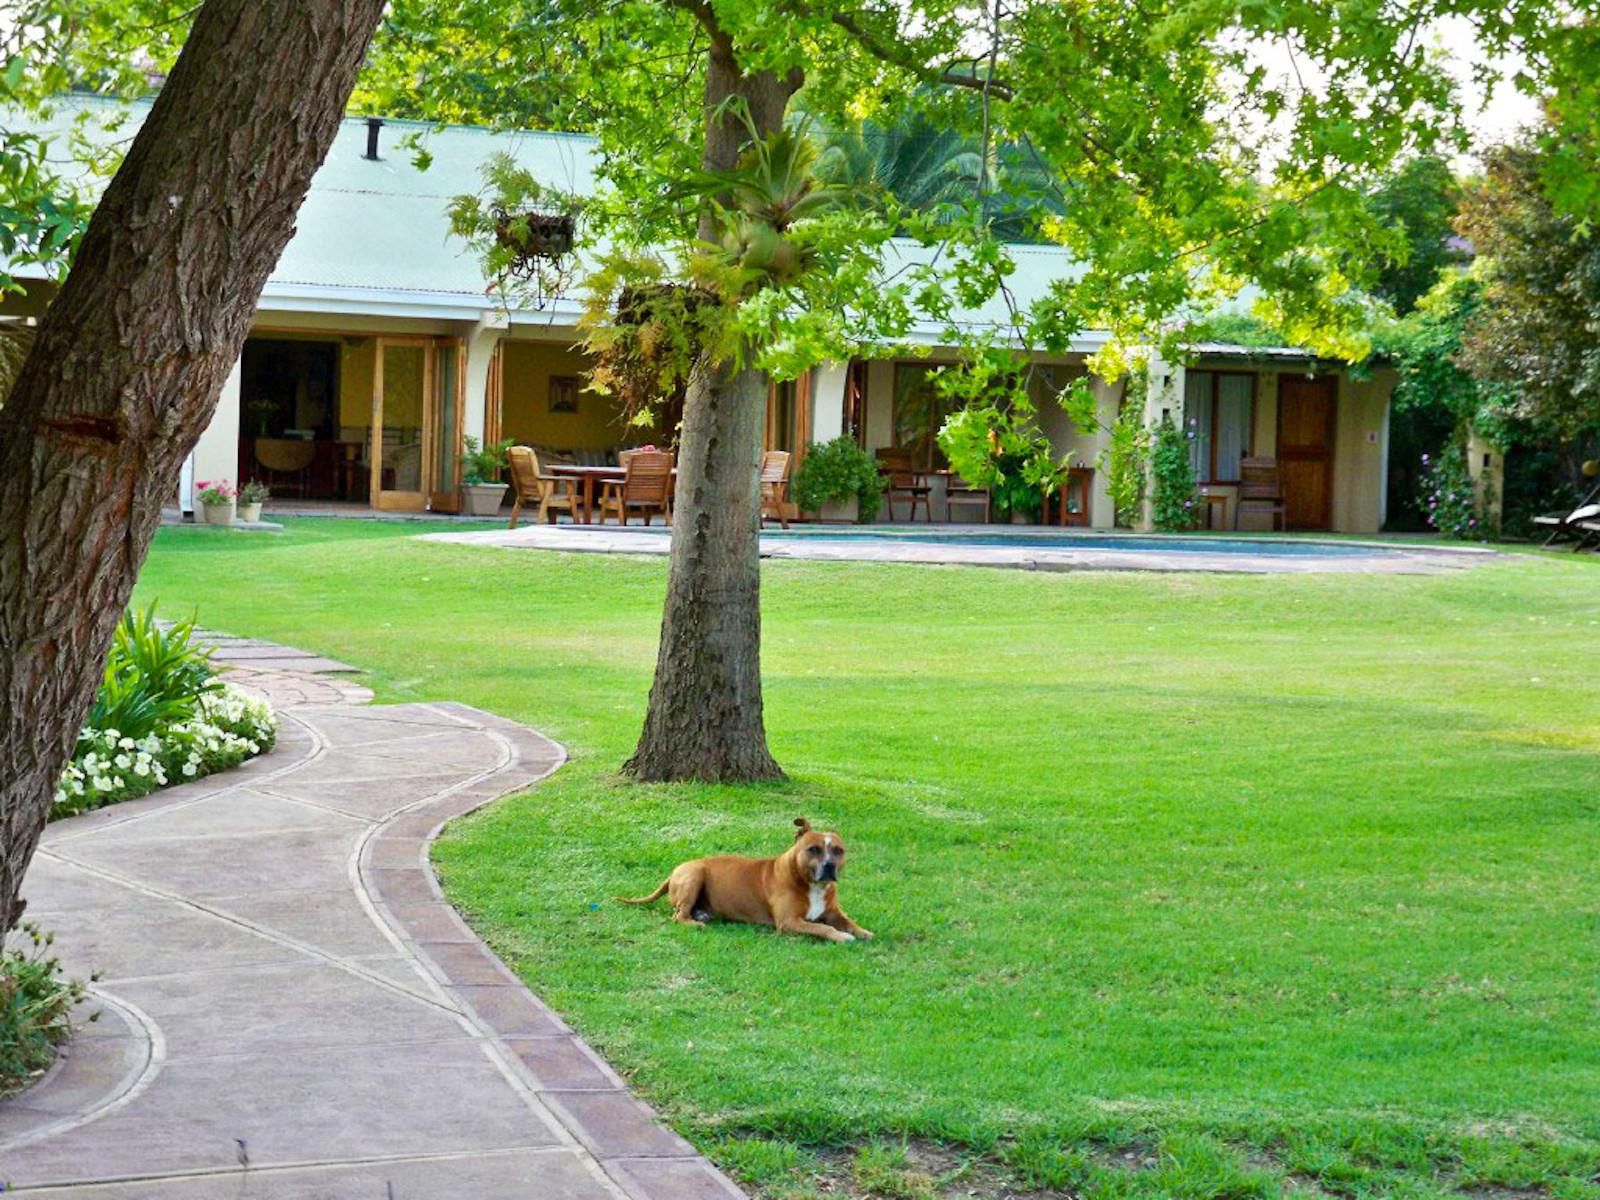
(524, 232)
(533, 239)
(648, 331)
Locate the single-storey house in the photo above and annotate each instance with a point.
(377, 346)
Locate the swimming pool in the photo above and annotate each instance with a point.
(1017, 547)
(1111, 542)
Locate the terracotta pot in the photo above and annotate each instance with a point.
(218, 514)
(482, 499)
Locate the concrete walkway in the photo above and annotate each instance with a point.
(290, 1011)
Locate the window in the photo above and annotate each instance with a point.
(855, 402)
(919, 414)
(1220, 407)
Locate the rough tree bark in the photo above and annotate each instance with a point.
(705, 720)
(128, 362)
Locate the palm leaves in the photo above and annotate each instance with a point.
(923, 167)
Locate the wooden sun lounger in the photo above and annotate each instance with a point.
(1570, 524)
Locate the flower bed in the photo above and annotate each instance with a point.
(228, 727)
(161, 716)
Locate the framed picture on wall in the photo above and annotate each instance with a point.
(563, 393)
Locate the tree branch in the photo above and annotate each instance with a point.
(896, 56)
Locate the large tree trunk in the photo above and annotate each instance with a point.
(129, 360)
(704, 720)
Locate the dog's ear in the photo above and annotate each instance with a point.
(801, 827)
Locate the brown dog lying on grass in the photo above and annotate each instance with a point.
(795, 892)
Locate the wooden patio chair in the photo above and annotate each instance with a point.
(644, 489)
(775, 486)
(530, 485)
(958, 492)
(1260, 490)
(904, 483)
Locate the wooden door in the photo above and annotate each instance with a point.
(402, 390)
(1305, 449)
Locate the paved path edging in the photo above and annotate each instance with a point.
(416, 1062)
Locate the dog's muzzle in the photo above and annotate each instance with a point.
(830, 872)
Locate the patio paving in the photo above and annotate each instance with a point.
(290, 1010)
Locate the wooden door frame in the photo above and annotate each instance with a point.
(800, 428)
(1331, 384)
(493, 401)
(398, 501)
(438, 500)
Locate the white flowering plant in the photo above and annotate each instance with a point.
(229, 726)
(161, 716)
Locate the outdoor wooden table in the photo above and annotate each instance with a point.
(586, 477)
(1214, 501)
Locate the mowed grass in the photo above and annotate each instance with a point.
(1182, 884)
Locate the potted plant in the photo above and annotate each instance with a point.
(216, 501)
(481, 489)
(839, 481)
(251, 497)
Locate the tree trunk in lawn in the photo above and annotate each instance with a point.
(129, 360)
(704, 720)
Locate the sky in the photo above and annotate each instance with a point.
(1508, 109)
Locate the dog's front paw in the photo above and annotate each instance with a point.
(864, 934)
(845, 937)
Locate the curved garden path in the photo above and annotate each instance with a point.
(290, 1011)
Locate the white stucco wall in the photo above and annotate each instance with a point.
(481, 343)
(216, 455)
(1360, 454)
(827, 402)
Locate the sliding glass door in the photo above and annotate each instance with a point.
(416, 424)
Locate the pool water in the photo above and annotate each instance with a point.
(1147, 544)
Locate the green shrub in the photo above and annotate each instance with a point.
(36, 1002)
(1448, 494)
(832, 472)
(1005, 451)
(1173, 506)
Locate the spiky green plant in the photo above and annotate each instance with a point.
(154, 676)
(773, 187)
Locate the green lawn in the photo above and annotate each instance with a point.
(1259, 881)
